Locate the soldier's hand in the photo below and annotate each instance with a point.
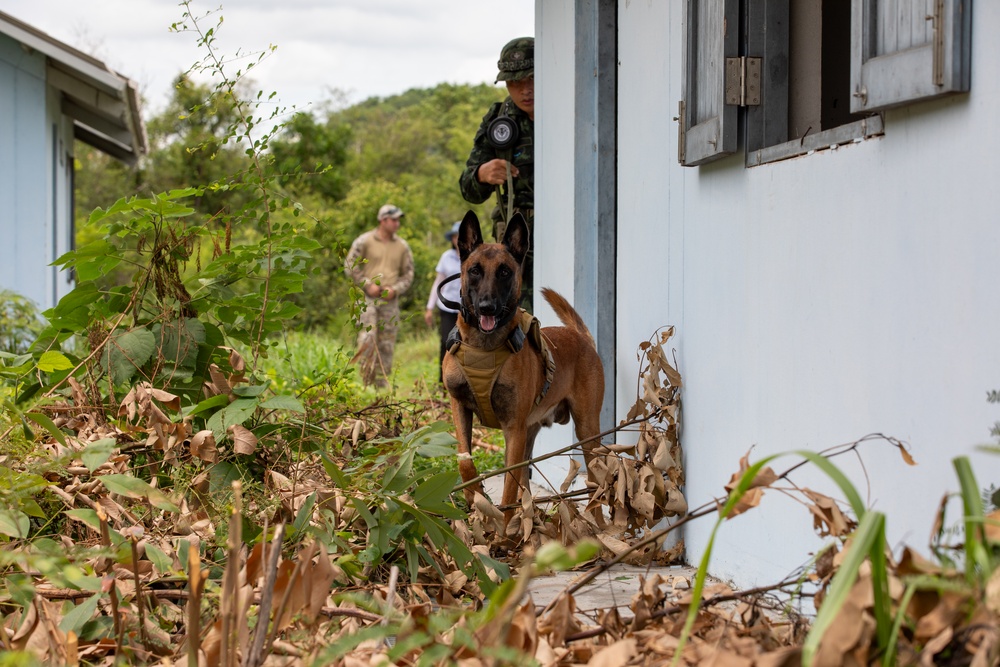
(429, 317)
(494, 172)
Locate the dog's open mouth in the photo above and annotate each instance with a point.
(487, 323)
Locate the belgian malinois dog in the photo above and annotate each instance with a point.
(526, 392)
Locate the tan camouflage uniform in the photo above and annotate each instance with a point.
(390, 265)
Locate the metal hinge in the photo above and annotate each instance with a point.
(743, 81)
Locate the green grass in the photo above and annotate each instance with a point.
(415, 366)
(304, 359)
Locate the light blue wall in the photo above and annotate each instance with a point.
(35, 139)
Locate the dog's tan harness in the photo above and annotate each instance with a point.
(482, 367)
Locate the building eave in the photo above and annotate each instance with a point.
(103, 104)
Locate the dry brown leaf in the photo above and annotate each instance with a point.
(983, 644)
(170, 400)
(911, 562)
(219, 384)
(675, 503)
(850, 635)
(203, 446)
(488, 509)
(992, 526)
(29, 623)
(749, 500)
(615, 655)
(244, 441)
(935, 645)
(574, 468)
(253, 568)
(455, 580)
(765, 476)
(712, 656)
(320, 575)
(527, 517)
(651, 389)
(560, 622)
(938, 524)
(236, 360)
(548, 656)
(788, 656)
(992, 592)
(904, 453)
(943, 615)
(523, 631)
(288, 581)
(828, 520)
(662, 458)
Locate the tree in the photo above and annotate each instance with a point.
(408, 149)
(192, 142)
(310, 156)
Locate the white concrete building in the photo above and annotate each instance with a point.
(826, 251)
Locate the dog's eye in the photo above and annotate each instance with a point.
(503, 272)
(475, 271)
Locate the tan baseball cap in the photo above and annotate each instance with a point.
(390, 211)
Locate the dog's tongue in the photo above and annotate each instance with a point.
(487, 323)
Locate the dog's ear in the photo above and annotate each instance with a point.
(470, 236)
(516, 237)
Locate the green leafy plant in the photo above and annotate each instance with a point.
(448, 634)
(865, 553)
(19, 322)
(197, 286)
(406, 510)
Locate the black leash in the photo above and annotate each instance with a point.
(448, 302)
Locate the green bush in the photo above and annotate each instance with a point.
(19, 322)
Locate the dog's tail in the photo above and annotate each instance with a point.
(566, 313)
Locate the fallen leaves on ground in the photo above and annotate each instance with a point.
(147, 575)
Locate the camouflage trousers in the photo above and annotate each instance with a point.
(377, 340)
(528, 268)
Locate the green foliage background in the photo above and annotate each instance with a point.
(341, 162)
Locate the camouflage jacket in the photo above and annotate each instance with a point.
(522, 155)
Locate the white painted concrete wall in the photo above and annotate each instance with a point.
(816, 300)
(554, 214)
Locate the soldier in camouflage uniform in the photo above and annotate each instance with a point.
(492, 167)
(381, 264)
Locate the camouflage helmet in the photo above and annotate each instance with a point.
(517, 60)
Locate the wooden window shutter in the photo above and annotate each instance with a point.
(902, 52)
(707, 124)
(767, 38)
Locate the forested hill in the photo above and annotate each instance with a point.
(340, 161)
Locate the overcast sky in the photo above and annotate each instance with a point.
(363, 48)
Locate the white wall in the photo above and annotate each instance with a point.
(816, 300)
(554, 215)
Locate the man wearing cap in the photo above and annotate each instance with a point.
(381, 265)
(503, 152)
(450, 264)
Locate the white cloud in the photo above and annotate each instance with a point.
(362, 47)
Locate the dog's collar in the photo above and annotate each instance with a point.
(515, 341)
(467, 314)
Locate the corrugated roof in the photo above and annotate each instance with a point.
(103, 104)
